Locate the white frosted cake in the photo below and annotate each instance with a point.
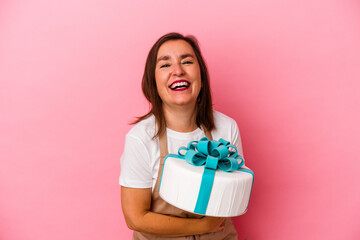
(180, 186)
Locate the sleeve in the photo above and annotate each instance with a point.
(135, 164)
(236, 139)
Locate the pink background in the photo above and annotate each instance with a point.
(287, 71)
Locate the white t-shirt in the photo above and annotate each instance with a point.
(141, 156)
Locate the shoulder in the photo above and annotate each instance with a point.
(227, 128)
(222, 120)
(144, 130)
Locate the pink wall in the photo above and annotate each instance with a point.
(70, 72)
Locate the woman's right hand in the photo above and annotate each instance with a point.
(213, 224)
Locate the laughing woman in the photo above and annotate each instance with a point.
(176, 83)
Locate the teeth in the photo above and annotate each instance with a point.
(179, 84)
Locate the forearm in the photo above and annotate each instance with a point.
(136, 208)
(164, 225)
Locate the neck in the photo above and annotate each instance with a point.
(180, 118)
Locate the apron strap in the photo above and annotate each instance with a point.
(163, 146)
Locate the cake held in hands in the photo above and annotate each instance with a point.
(207, 178)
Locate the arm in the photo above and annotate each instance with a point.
(136, 204)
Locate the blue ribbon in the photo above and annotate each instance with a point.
(213, 154)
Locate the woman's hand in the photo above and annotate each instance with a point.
(213, 224)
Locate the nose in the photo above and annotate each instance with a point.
(178, 70)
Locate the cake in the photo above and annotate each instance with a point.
(181, 184)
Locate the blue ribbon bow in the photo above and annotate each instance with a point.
(214, 154)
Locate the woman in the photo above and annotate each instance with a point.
(176, 84)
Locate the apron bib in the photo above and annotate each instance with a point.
(158, 205)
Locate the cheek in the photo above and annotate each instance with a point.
(198, 76)
(160, 84)
(159, 76)
(157, 79)
(197, 72)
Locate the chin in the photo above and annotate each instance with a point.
(185, 103)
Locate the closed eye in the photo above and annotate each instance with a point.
(188, 62)
(165, 65)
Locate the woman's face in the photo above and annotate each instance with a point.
(177, 74)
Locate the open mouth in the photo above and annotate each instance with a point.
(180, 85)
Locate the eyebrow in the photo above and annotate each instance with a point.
(166, 57)
(163, 58)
